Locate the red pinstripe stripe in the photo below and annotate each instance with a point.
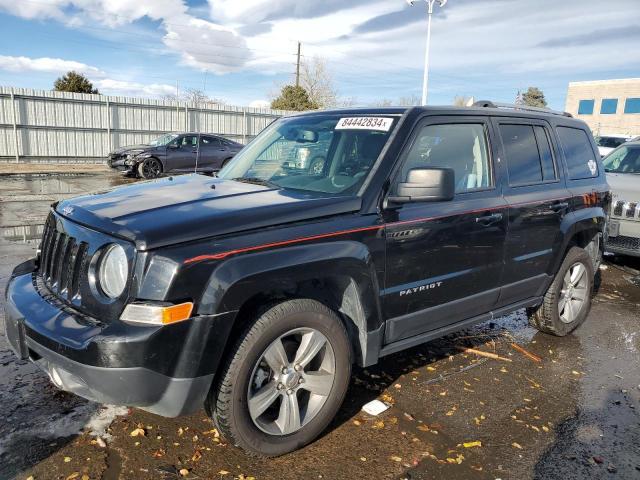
(222, 255)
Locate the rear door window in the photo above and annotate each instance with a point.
(528, 154)
(578, 153)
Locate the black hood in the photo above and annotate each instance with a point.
(171, 210)
(128, 148)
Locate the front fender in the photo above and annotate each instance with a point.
(346, 266)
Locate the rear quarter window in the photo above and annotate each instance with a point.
(581, 160)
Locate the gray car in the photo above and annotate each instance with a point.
(173, 152)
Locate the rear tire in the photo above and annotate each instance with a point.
(568, 300)
(285, 379)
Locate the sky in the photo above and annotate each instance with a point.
(240, 51)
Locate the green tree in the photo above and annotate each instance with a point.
(74, 82)
(534, 97)
(293, 98)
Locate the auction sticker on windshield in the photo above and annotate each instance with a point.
(365, 123)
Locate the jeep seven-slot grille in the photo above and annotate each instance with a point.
(624, 209)
(617, 209)
(61, 261)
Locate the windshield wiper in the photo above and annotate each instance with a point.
(257, 181)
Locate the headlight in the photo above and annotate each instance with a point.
(113, 271)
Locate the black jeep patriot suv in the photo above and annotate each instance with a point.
(252, 294)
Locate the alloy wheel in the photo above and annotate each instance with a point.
(574, 293)
(151, 168)
(291, 381)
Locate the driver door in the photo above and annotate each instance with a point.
(445, 259)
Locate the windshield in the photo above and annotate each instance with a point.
(625, 159)
(317, 153)
(610, 142)
(163, 140)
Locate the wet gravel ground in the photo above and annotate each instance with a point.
(573, 415)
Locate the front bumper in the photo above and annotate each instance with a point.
(624, 237)
(119, 164)
(99, 362)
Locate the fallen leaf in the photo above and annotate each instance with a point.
(138, 432)
(67, 459)
(575, 373)
(357, 423)
(396, 459)
(504, 370)
(431, 369)
(73, 475)
(516, 445)
(423, 428)
(364, 459)
(223, 472)
(196, 456)
(184, 472)
(476, 443)
(158, 453)
(85, 477)
(378, 424)
(30, 477)
(545, 428)
(397, 385)
(385, 397)
(180, 431)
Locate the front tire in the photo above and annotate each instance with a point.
(568, 300)
(285, 380)
(150, 168)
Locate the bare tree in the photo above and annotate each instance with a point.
(461, 100)
(385, 102)
(410, 101)
(194, 96)
(317, 80)
(346, 102)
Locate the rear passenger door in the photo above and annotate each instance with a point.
(211, 153)
(537, 198)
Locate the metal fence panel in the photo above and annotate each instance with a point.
(59, 125)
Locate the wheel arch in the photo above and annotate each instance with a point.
(585, 229)
(337, 274)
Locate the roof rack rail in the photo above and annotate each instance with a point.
(513, 106)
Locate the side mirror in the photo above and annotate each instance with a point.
(426, 185)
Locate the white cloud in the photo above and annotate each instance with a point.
(108, 12)
(133, 89)
(45, 64)
(206, 45)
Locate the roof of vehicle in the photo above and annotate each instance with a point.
(614, 135)
(478, 108)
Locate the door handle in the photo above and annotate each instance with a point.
(487, 220)
(556, 207)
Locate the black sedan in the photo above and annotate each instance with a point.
(173, 152)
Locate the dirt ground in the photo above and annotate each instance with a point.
(453, 415)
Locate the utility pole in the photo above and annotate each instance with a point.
(177, 106)
(298, 67)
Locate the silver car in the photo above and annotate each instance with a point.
(623, 174)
